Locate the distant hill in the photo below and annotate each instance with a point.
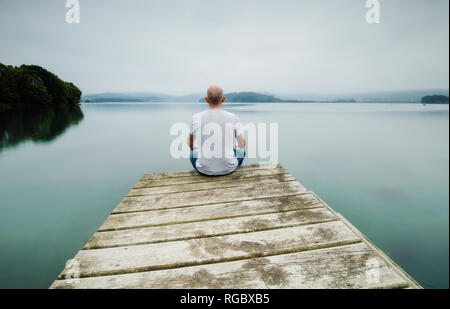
(404, 96)
(240, 97)
(138, 97)
(435, 99)
(414, 96)
(254, 97)
(121, 97)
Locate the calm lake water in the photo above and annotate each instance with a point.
(384, 167)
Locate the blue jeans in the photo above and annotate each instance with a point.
(239, 153)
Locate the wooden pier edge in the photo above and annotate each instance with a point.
(255, 228)
(370, 244)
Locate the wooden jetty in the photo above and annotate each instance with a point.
(255, 228)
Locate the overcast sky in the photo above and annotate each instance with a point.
(182, 46)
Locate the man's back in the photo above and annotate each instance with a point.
(214, 132)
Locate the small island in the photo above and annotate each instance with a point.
(254, 97)
(435, 99)
(30, 86)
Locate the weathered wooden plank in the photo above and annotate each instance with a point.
(194, 173)
(219, 195)
(209, 228)
(337, 267)
(197, 178)
(165, 255)
(412, 283)
(212, 184)
(210, 212)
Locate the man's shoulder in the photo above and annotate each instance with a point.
(230, 115)
(226, 114)
(199, 115)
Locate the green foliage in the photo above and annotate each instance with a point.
(33, 86)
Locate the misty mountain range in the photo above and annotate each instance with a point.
(414, 96)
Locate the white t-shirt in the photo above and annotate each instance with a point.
(215, 132)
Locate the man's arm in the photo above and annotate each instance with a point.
(190, 141)
(195, 127)
(241, 140)
(239, 134)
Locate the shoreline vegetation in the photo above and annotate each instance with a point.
(435, 99)
(32, 87)
(35, 105)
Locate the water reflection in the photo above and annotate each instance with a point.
(39, 126)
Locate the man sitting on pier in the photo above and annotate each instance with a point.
(213, 135)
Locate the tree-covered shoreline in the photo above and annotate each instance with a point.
(31, 86)
(435, 99)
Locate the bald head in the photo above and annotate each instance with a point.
(215, 94)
